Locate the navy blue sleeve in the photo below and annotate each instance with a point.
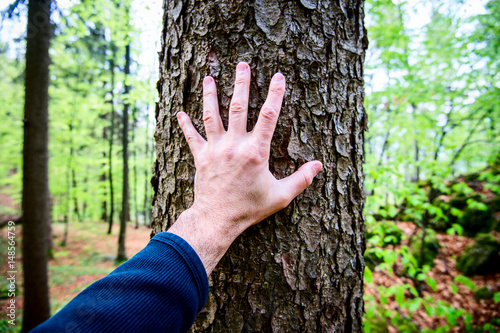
(161, 289)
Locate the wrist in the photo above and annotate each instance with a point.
(207, 235)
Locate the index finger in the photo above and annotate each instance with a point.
(268, 117)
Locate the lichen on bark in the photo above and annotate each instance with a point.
(301, 270)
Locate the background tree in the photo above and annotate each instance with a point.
(124, 215)
(35, 204)
(301, 269)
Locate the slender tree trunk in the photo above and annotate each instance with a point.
(134, 159)
(111, 137)
(85, 184)
(125, 189)
(301, 270)
(146, 176)
(75, 195)
(35, 165)
(103, 177)
(69, 193)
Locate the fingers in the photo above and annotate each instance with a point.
(297, 182)
(211, 117)
(270, 111)
(238, 109)
(192, 136)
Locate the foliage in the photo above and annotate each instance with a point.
(384, 233)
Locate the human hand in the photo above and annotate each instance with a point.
(233, 187)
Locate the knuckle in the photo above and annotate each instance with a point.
(238, 106)
(307, 180)
(208, 93)
(240, 79)
(228, 153)
(254, 156)
(190, 137)
(208, 116)
(269, 112)
(277, 88)
(201, 162)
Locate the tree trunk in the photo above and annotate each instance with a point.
(76, 210)
(103, 176)
(134, 161)
(301, 270)
(111, 137)
(35, 165)
(122, 256)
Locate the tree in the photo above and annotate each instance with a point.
(122, 256)
(35, 203)
(300, 270)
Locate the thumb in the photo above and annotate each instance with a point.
(297, 182)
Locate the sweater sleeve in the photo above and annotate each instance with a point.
(161, 289)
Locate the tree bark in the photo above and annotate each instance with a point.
(301, 270)
(35, 201)
(122, 256)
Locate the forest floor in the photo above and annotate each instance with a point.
(88, 256)
(443, 272)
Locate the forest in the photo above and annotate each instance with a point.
(430, 222)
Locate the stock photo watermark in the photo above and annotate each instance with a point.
(11, 273)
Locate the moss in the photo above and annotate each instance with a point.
(430, 250)
(483, 293)
(476, 221)
(481, 257)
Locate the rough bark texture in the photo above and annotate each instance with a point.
(35, 203)
(301, 270)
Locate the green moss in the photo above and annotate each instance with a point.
(483, 293)
(476, 220)
(430, 250)
(481, 257)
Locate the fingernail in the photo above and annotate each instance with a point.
(207, 80)
(278, 77)
(317, 167)
(242, 67)
(179, 115)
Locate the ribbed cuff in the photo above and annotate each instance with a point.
(192, 259)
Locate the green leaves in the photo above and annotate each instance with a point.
(465, 281)
(496, 297)
(367, 275)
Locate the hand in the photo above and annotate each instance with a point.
(233, 187)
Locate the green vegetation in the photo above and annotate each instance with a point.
(432, 160)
